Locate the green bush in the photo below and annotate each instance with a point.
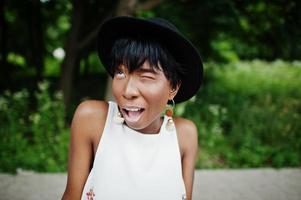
(33, 139)
(248, 115)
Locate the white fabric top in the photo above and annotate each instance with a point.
(130, 165)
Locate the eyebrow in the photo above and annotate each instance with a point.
(144, 70)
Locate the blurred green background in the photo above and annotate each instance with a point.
(248, 112)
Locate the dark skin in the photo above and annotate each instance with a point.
(88, 124)
(86, 133)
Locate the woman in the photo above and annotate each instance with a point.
(128, 149)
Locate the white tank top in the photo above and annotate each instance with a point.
(130, 165)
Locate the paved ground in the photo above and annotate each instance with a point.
(251, 184)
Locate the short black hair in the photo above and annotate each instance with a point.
(133, 52)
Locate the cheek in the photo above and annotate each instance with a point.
(156, 94)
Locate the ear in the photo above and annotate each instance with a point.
(173, 91)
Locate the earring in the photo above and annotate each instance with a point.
(169, 112)
(118, 119)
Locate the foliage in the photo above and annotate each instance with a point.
(244, 29)
(58, 38)
(33, 139)
(248, 115)
(245, 111)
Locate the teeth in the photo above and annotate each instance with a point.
(133, 109)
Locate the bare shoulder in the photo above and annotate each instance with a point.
(187, 133)
(186, 128)
(86, 129)
(89, 107)
(188, 143)
(89, 117)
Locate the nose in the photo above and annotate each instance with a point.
(131, 91)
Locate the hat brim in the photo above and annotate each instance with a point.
(181, 48)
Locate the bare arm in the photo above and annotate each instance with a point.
(188, 139)
(88, 122)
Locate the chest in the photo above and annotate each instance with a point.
(97, 138)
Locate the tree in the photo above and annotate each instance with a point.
(82, 42)
(26, 36)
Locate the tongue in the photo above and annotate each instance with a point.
(133, 114)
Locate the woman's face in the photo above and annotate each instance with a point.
(142, 96)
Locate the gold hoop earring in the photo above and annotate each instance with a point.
(170, 126)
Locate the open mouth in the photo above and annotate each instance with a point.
(132, 114)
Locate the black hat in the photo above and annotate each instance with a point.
(164, 32)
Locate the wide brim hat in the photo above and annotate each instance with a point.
(165, 33)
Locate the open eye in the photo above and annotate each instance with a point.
(119, 74)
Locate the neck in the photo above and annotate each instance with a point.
(154, 127)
